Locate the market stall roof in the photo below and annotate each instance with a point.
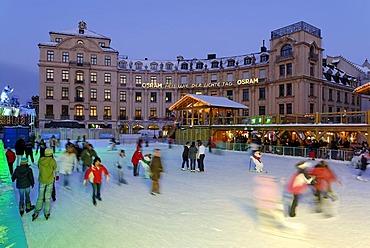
(363, 89)
(191, 101)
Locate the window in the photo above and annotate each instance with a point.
(123, 79)
(65, 110)
(199, 65)
(282, 70)
(245, 95)
(65, 93)
(80, 59)
(138, 65)
(289, 69)
(122, 96)
(184, 66)
(345, 97)
(230, 77)
(93, 94)
(214, 64)
(168, 80)
(79, 93)
(262, 73)
(169, 66)
(153, 66)
(168, 97)
(330, 94)
(323, 94)
(153, 79)
(65, 75)
(230, 63)
(153, 96)
(65, 57)
(338, 96)
(101, 44)
(198, 92)
(93, 111)
(311, 91)
(79, 77)
(312, 70)
(311, 107)
(79, 110)
(49, 75)
(245, 74)
(137, 96)
(107, 61)
(168, 113)
(138, 114)
(138, 81)
(281, 90)
(214, 93)
(353, 99)
(107, 78)
(122, 64)
(122, 113)
(262, 93)
(264, 58)
(49, 110)
(50, 56)
(281, 109)
(289, 89)
(330, 109)
(49, 92)
(247, 61)
(184, 80)
(107, 111)
(213, 78)
(286, 51)
(94, 59)
(153, 112)
(261, 110)
(58, 40)
(198, 79)
(93, 77)
(229, 94)
(289, 108)
(107, 95)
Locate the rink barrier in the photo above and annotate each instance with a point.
(11, 227)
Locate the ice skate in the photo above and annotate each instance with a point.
(29, 209)
(34, 217)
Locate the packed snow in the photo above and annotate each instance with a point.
(215, 208)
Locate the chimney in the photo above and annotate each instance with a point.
(211, 56)
(263, 48)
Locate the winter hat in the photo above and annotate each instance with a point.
(24, 161)
(48, 152)
(303, 165)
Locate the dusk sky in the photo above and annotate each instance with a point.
(164, 29)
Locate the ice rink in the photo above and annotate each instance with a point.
(215, 208)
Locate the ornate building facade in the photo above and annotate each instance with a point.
(82, 78)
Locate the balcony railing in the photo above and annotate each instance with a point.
(138, 118)
(79, 117)
(79, 64)
(79, 81)
(123, 117)
(93, 117)
(107, 117)
(64, 117)
(284, 57)
(49, 116)
(79, 99)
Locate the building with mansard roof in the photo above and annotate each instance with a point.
(83, 78)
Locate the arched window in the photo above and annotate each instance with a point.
(139, 66)
(153, 66)
(199, 65)
(286, 50)
(184, 66)
(169, 66)
(122, 65)
(214, 64)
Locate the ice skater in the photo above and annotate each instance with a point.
(94, 175)
(185, 156)
(156, 169)
(256, 159)
(120, 163)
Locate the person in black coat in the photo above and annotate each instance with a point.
(29, 150)
(24, 176)
(42, 146)
(185, 156)
(20, 147)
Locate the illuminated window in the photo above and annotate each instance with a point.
(153, 112)
(93, 94)
(65, 57)
(94, 59)
(49, 92)
(93, 77)
(93, 111)
(137, 96)
(50, 56)
(138, 81)
(79, 93)
(79, 110)
(80, 59)
(65, 75)
(153, 97)
(122, 96)
(107, 78)
(153, 79)
(123, 79)
(107, 95)
(65, 93)
(79, 76)
(107, 61)
(168, 80)
(49, 74)
(168, 97)
(107, 111)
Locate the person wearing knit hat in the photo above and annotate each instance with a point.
(48, 171)
(24, 176)
(298, 185)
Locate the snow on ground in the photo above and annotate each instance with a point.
(210, 209)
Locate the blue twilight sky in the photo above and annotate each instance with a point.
(164, 29)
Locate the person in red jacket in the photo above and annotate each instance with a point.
(324, 177)
(298, 184)
(10, 157)
(94, 174)
(136, 157)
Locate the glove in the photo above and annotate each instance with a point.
(84, 182)
(57, 178)
(119, 167)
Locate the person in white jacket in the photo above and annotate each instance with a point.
(67, 161)
(120, 163)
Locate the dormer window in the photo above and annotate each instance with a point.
(58, 40)
(169, 66)
(214, 64)
(101, 44)
(199, 65)
(247, 61)
(264, 58)
(184, 66)
(153, 66)
(122, 64)
(139, 66)
(230, 62)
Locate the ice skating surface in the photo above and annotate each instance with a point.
(214, 208)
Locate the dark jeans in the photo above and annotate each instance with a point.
(293, 206)
(96, 191)
(185, 161)
(192, 164)
(24, 194)
(31, 155)
(201, 162)
(10, 165)
(136, 170)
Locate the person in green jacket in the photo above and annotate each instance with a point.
(48, 170)
(87, 156)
